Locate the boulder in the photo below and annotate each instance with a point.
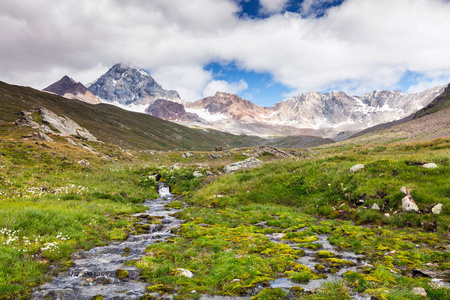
(197, 174)
(72, 142)
(437, 209)
(409, 205)
(184, 273)
(356, 168)
(249, 163)
(422, 273)
(419, 291)
(375, 206)
(430, 166)
(187, 155)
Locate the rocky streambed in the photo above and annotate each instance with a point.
(104, 272)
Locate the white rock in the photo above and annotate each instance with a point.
(430, 166)
(249, 163)
(405, 190)
(184, 273)
(375, 206)
(197, 174)
(419, 291)
(437, 209)
(408, 204)
(356, 168)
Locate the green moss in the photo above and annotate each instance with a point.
(270, 294)
(121, 273)
(325, 254)
(175, 205)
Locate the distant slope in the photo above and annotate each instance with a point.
(441, 102)
(114, 125)
(301, 141)
(429, 127)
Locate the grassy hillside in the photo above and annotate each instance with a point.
(441, 102)
(114, 125)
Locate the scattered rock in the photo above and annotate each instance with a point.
(437, 209)
(208, 173)
(249, 163)
(87, 147)
(356, 168)
(375, 206)
(272, 150)
(419, 291)
(408, 204)
(187, 155)
(175, 166)
(430, 166)
(184, 273)
(276, 236)
(405, 190)
(421, 273)
(85, 163)
(214, 156)
(197, 174)
(45, 137)
(72, 142)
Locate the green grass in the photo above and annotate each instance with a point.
(284, 193)
(52, 206)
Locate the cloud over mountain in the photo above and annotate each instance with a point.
(356, 47)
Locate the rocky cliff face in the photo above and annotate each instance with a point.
(69, 88)
(127, 85)
(172, 111)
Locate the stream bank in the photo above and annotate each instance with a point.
(105, 272)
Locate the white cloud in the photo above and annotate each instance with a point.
(314, 7)
(272, 6)
(223, 86)
(358, 46)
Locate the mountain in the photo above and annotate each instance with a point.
(111, 124)
(441, 102)
(69, 88)
(332, 115)
(172, 111)
(340, 112)
(127, 85)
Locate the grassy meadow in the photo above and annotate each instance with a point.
(57, 198)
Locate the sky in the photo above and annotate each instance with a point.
(263, 50)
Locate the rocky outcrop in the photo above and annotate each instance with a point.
(171, 111)
(249, 163)
(54, 124)
(126, 85)
(69, 88)
(64, 125)
(261, 150)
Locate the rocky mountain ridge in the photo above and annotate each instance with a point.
(69, 88)
(331, 115)
(126, 85)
